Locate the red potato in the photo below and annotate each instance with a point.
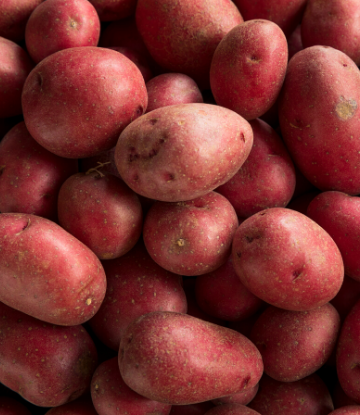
(248, 68)
(10, 406)
(109, 393)
(347, 354)
(14, 16)
(182, 152)
(136, 285)
(340, 398)
(15, 66)
(308, 396)
(332, 23)
(101, 212)
(182, 37)
(47, 365)
(221, 294)
(81, 406)
(60, 24)
(266, 179)
(31, 176)
(319, 118)
(78, 100)
(194, 409)
(193, 237)
(232, 409)
(46, 272)
(295, 344)
(109, 10)
(178, 359)
(287, 260)
(285, 13)
(242, 398)
(339, 214)
(172, 89)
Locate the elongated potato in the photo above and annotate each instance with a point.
(181, 152)
(46, 272)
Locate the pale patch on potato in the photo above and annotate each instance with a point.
(345, 109)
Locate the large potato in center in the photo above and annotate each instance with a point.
(182, 152)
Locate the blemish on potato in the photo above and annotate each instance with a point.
(345, 109)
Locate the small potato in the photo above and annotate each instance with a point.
(248, 68)
(47, 365)
(347, 410)
(109, 393)
(182, 152)
(287, 260)
(295, 344)
(193, 237)
(308, 396)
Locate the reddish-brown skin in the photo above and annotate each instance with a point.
(60, 24)
(172, 89)
(248, 68)
(231, 409)
(15, 66)
(221, 294)
(266, 179)
(308, 396)
(319, 116)
(285, 13)
(346, 298)
(136, 286)
(138, 59)
(348, 354)
(81, 406)
(182, 36)
(287, 260)
(109, 10)
(10, 406)
(47, 365)
(101, 211)
(242, 398)
(347, 410)
(182, 152)
(191, 238)
(14, 16)
(332, 23)
(295, 344)
(109, 393)
(339, 214)
(78, 100)
(178, 359)
(46, 272)
(31, 176)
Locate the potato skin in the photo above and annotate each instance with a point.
(248, 68)
(46, 272)
(47, 365)
(164, 355)
(182, 36)
(181, 152)
(332, 23)
(109, 392)
(287, 260)
(231, 409)
(10, 406)
(294, 344)
(319, 118)
(339, 214)
(73, 121)
(347, 354)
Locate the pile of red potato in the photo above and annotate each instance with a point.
(180, 220)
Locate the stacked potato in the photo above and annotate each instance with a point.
(179, 218)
